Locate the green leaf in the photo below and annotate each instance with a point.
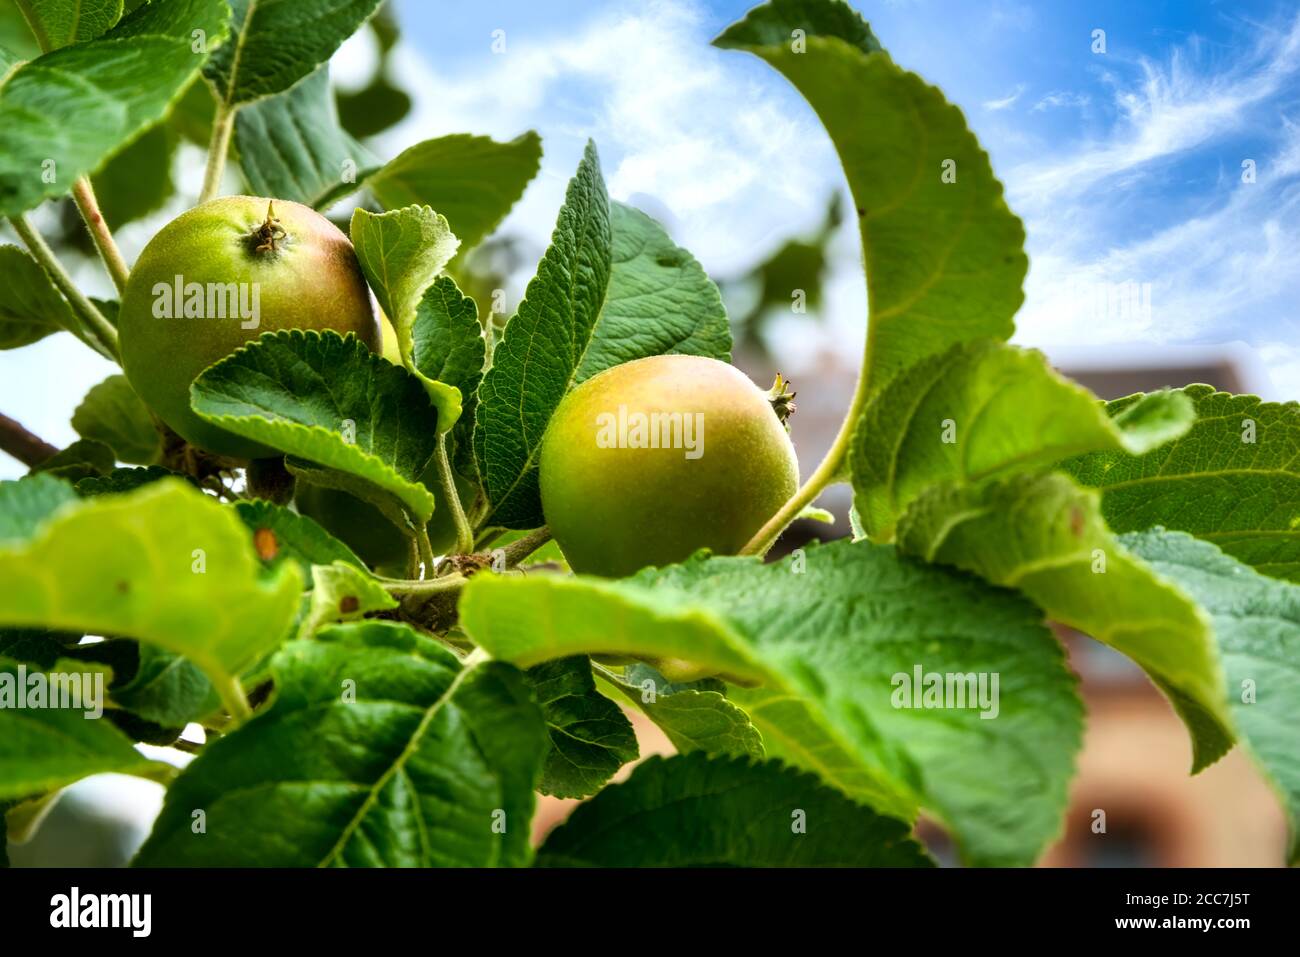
(31, 307)
(84, 458)
(590, 736)
(541, 353)
(695, 811)
(27, 502)
(291, 146)
(1233, 480)
(379, 748)
(43, 748)
(167, 689)
(1045, 536)
(981, 410)
(127, 480)
(944, 260)
(342, 592)
(281, 534)
(401, 253)
(693, 720)
(61, 23)
(659, 302)
(275, 43)
(1257, 627)
(76, 107)
(328, 399)
(828, 637)
(36, 646)
(138, 180)
(113, 414)
(448, 349)
(472, 180)
(165, 564)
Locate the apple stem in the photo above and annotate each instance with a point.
(92, 329)
(88, 204)
(464, 533)
(223, 124)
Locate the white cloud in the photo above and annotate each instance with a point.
(1005, 102)
(1062, 99)
(1173, 109)
(733, 152)
(1223, 270)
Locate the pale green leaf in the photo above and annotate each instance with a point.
(944, 256)
(342, 592)
(165, 564)
(1257, 628)
(823, 650)
(402, 252)
(981, 410)
(693, 720)
(1044, 535)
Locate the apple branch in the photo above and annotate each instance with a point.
(88, 204)
(26, 447)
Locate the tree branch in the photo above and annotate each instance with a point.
(26, 447)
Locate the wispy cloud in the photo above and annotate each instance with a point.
(1007, 101)
(675, 120)
(1220, 268)
(1055, 100)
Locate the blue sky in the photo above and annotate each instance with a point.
(1125, 165)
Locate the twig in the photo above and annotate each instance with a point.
(93, 329)
(222, 126)
(84, 195)
(26, 447)
(464, 534)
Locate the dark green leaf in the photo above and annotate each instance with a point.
(113, 414)
(538, 359)
(31, 308)
(275, 43)
(328, 399)
(292, 147)
(472, 180)
(68, 111)
(1233, 480)
(590, 736)
(660, 301)
(696, 811)
(378, 749)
